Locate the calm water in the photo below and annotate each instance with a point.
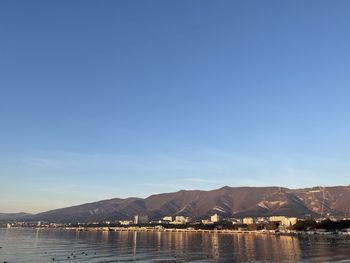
(35, 246)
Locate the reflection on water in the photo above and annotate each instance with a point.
(25, 245)
(252, 247)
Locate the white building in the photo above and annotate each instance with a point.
(181, 220)
(167, 218)
(248, 220)
(236, 221)
(215, 218)
(284, 221)
(140, 220)
(261, 220)
(125, 222)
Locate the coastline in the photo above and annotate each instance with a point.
(189, 230)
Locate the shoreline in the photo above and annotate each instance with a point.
(184, 230)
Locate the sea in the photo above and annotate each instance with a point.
(40, 245)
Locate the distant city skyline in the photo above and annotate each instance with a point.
(115, 99)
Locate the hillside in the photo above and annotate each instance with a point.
(226, 201)
(13, 216)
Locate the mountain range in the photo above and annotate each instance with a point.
(13, 216)
(226, 201)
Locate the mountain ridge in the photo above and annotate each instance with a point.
(198, 204)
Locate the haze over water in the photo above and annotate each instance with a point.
(36, 246)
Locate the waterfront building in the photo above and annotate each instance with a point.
(248, 220)
(167, 218)
(283, 220)
(188, 219)
(139, 219)
(215, 218)
(261, 220)
(236, 221)
(320, 219)
(125, 222)
(55, 225)
(181, 220)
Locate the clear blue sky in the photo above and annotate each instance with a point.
(102, 99)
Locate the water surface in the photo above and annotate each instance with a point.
(36, 246)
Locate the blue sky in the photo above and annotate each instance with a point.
(129, 98)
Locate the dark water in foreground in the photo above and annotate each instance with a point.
(36, 246)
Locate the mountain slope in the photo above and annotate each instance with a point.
(226, 201)
(13, 216)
